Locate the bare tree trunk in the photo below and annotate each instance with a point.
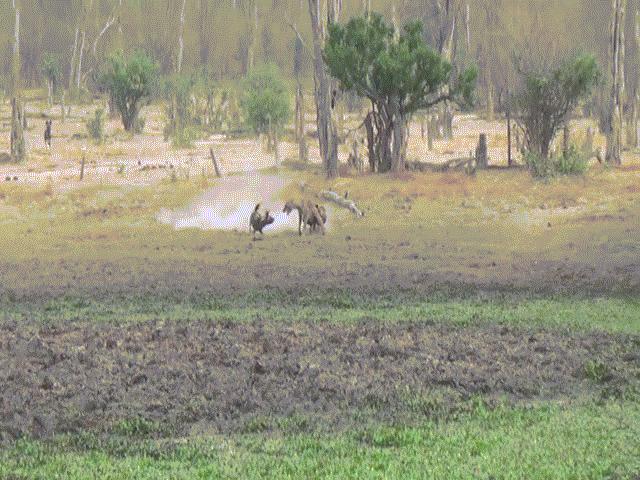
(300, 134)
(62, 109)
(482, 158)
(327, 137)
(490, 103)
(509, 157)
(635, 101)
(446, 50)
(181, 39)
(616, 54)
(73, 60)
(467, 21)
(49, 93)
(253, 47)
(18, 149)
(80, 55)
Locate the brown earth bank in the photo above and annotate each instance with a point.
(39, 281)
(220, 377)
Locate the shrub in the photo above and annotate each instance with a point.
(184, 137)
(538, 165)
(573, 162)
(130, 84)
(138, 124)
(266, 101)
(95, 126)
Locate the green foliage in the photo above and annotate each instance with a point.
(95, 126)
(138, 124)
(398, 73)
(547, 98)
(180, 111)
(573, 162)
(533, 442)
(185, 136)
(50, 68)
(365, 56)
(266, 102)
(596, 371)
(129, 82)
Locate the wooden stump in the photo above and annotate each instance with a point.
(482, 158)
(215, 162)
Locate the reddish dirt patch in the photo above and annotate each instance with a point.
(76, 376)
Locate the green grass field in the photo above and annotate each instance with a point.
(537, 442)
(437, 250)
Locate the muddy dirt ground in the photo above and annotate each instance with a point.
(217, 377)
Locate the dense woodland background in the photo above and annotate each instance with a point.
(219, 33)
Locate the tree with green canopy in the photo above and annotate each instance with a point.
(129, 82)
(547, 96)
(398, 73)
(51, 71)
(266, 102)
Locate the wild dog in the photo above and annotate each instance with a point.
(308, 214)
(313, 223)
(47, 133)
(257, 221)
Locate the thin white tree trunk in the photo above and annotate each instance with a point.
(616, 51)
(73, 59)
(17, 146)
(181, 38)
(79, 70)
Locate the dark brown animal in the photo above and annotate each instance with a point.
(308, 215)
(47, 132)
(313, 222)
(257, 221)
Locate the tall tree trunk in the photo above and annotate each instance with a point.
(490, 102)
(181, 39)
(327, 137)
(616, 56)
(72, 68)
(79, 69)
(18, 150)
(253, 47)
(447, 47)
(635, 101)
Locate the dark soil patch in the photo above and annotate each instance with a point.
(76, 376)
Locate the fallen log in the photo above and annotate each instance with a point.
(341, 201)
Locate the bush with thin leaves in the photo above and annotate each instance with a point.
(266, 102)
(129, 81)
(95, 126)
(548, 97)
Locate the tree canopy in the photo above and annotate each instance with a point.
(548, 96)
(397, 71)
(266, 102)
(129, 81)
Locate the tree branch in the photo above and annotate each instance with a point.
(295, 30)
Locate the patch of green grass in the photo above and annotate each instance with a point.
(617, 315)
(541, 442)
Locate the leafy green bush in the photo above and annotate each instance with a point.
(95, 126)
(138, 124)
(573, 162)
(539, 166)
(130, 82)
(184, 137)
(266, 101)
